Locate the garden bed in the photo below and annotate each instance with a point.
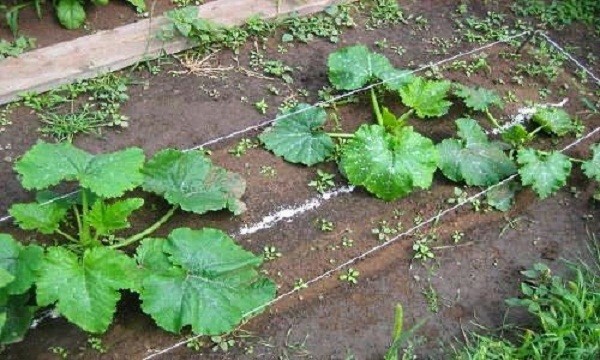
(469, 279)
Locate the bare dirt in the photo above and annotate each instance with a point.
(332, 318)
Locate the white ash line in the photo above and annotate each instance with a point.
(290, 212)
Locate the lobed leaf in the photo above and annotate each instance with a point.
(546, 173)
(200, 278)
(427, 97)
(554, 120)
(389, 166)
(478, 98)
(20, 262)
(591, 168)
(353, 67)
(502, 196)
(190, 180)
(44, 218)
(299, 138)
(107, 218)
(86, 290)
(107, 175)
(473, 158)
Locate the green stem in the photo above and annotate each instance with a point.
(146, 232)
(405, 116)
(77, 218)
(575, 160)
(66, 236)
(341, 135)
(376, 107)
(85, 235)
(492, 118)
(531, 134)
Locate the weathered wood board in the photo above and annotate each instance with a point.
(85, 57)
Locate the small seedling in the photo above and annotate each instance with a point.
(351, 276)
(195, 343)
(271, 253)
(384, 230)
(222, 343)
(300, 284)
(432, 298)
(268, 171)
(323, 182)
(96, 344)
(457, 236)
(261, 106)
(61, 352)
(325, 225)
(242, 147)
(347, 242)
(422, 250)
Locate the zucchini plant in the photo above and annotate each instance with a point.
(71, 13)
(390, 159)
(199, 278)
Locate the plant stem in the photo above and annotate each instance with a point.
(146, 232)
(341, 135)
(492, 118)
(85, 235)
(77, 218)
(405, 116)
(376, 107)
(67, 236)
(575, 160)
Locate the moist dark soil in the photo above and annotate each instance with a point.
(331, 318)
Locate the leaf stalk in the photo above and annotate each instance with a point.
(146, 232)
(376, 107)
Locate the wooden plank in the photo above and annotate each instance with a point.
(85, 57)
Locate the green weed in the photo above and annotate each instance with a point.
(16, 47)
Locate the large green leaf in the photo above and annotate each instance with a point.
(44, 218)
(591, 168)
(389, 166)
(478, 99)
(473, 158)
(554, 121)
(190, 180)
(107, 218)
(70, 13)
(107, 175)
(200, 278)
(352, 67)
(427, 97)
(21, 262)
(140, 5)
(15, 318)
(299, 138)
(546, 173)
(85, 290)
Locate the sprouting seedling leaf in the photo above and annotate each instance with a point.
(300, 138)
(19, 261)
(190, 180)
(86, 289)
(107, 175)
(107, 218)
(353, 67)
(427, 97)
(516, 135)
(473, 158)
(391, 123)
(554, 120)
(545, 172)
(591, 168)
(478, 98)
(44, 218)
(389, 166)
(200, 278)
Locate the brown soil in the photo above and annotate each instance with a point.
(471, 279)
